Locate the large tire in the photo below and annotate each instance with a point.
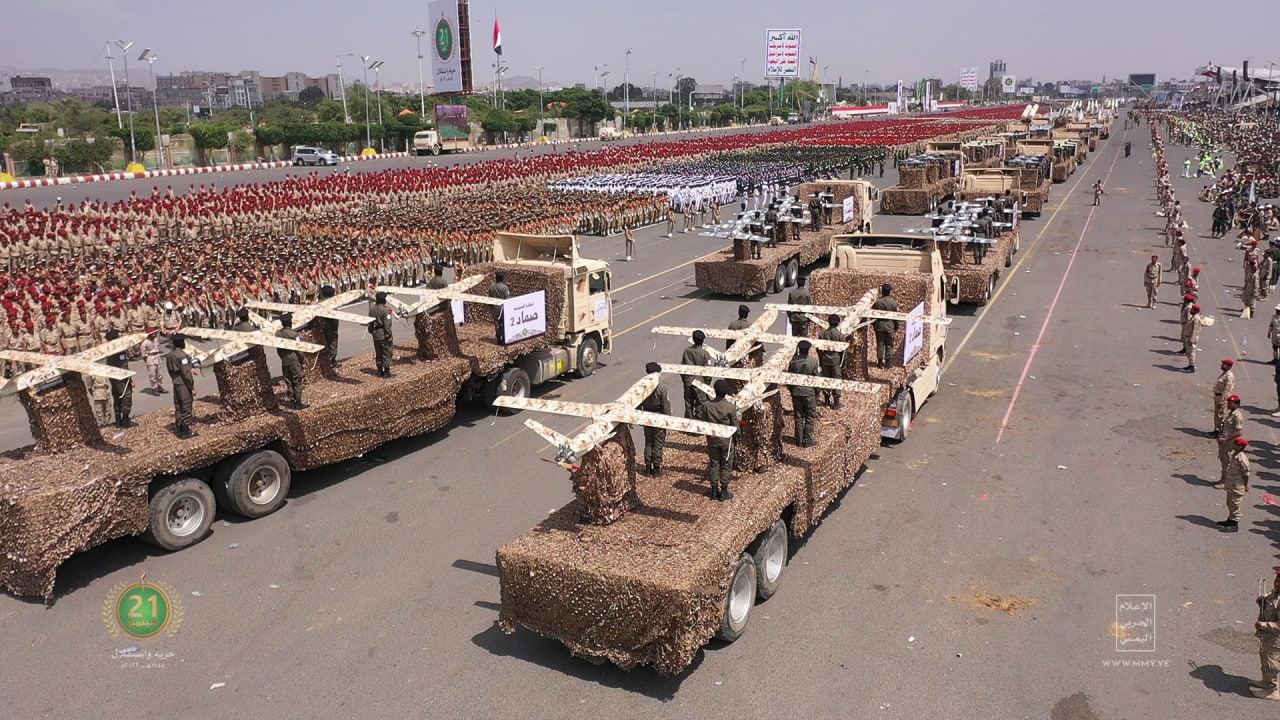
(1008, 259)
(180, 515)
(779, 278)
(253, 485)
(435, 150)
(793, 272)
(991, 290)
(739, 600)
(588, 357)
(906, 417)
(770, 557)
(514, 383)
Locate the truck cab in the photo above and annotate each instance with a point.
(919, 373)
(426, 142)
(585, 328)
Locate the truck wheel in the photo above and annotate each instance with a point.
(588, 357)
(435, 150)
(181, 514)
(1008, 259)
(514, 383)
(740, 599)
(991, 290)
(793, 272)
(906, 416)
(770, 557)
(253, 485)
(780, 278)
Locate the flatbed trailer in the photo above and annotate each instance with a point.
(970, 279)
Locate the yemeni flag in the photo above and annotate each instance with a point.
(497, 37)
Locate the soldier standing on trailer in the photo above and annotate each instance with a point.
(655, 438)
(381, 331)
(327, 330)
(121, 390)
(291, 363)
(694, 355)
(184, 384)
(800, 296)
(722, 411)
(804, 404)
(885, 328)
(740, 324)
(832, 361)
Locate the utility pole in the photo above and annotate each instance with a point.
(422, 98)
(155, 106)
(377, 81)
(342, 87)
(368, 132)
(742, 73)
(133, 143)
(542, 104)
(115, 91)
(626, 90)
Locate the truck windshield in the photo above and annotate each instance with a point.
(598, 282)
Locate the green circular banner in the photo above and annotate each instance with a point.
(444, 39)
(143, 610)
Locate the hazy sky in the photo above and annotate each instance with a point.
(704, 38)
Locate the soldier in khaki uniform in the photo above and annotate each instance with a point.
(655, 439)
(804, 404)
(121, 390)
(184, 384)
(1191, 336)
(1273, 332)
(100, 393)
(740, 324)
(885, 329)
(721, 410)
(1231, 427)
(799, 296)
(694, 355)
(1226, 385)
(153, 353)
(831, 361)
(1267, 629)
(1235, 479)
(1151, 279)
(291, 363)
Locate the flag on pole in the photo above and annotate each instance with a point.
(497, 37)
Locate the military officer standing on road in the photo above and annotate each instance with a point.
(1231, 427)
(121, 390)
(1191, 336)
(184, 384)
(242, 322)
(671, 221)
(1235, 478)
(1273, 332)
(1225, 386)
(695, 354)
(630, 241)
(291, 363)
(885, 329)
(831, 361)
(740, 324)
(722, 411)
(655, 439)
(437, 281)
(800, 296)
(804, 404)
(327, 331)
(1267, 629)
(1151, 279)
(381, 331)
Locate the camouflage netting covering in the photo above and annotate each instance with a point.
(1063, 170)
(899, 201)
(1035, 199)
(720, 273)
(53, 506)
(975, 279)
(478, 335)
(911, 178)
(605, 482)
(650, 588)
(841, 189)
(244, 385)
(758, 444)
(317, 367)
(845, 287)
(62, 417)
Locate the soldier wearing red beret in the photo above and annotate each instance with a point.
(1235, 479)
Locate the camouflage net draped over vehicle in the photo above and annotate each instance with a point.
(55, 505)
(478, 335)
(609, 593)
(720, 273)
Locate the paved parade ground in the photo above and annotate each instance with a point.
(974, 571)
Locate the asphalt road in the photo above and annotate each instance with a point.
(1063, 463)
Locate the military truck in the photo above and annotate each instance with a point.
(672, 568)
(75, 489)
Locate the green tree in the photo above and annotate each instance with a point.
(330, 111)
(723, 114)
(208, 136)
(280, 111)
(756, 113)
(619, 92)
(78, 117)
(173, 119)
(144, 137)
(588, 108)
(32, 151)
(499, 122)
(79, 155)
(39, 112)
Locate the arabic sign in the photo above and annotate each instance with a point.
(969, 78)
(782, 53)
(914, 342)
(524, 316)
(446, 47)
(600, 310)
(1135, 627)
(1009, 84)
(848, 210)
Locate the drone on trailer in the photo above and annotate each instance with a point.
(429, 298)
(604, 419)
(52, 367)
(746, 340)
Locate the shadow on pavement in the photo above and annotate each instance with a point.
(1190, 479)
(1219, 681)
(1200, 520)
(1170, 368)
(1194, 432)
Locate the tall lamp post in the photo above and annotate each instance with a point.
(368, 132)
(377, 82)
(542, 105)
(742, 73)
(626, 90)
(675, 78)
(150, 57)
(133, 143)
(115, 89)
(422, 98)
(864, 86)
(342, 87)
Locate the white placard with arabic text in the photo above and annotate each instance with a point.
(848, 209)
(782, 53)
(914, 342)
(524, 317)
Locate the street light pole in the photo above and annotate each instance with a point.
(377, 81)
(542, 105)
(368, 132)
(422, 98)
(864, 86)
(155, 105)
(626, 90)
(115, 89)
(742, 74)
(133, 143)
(342, 87)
